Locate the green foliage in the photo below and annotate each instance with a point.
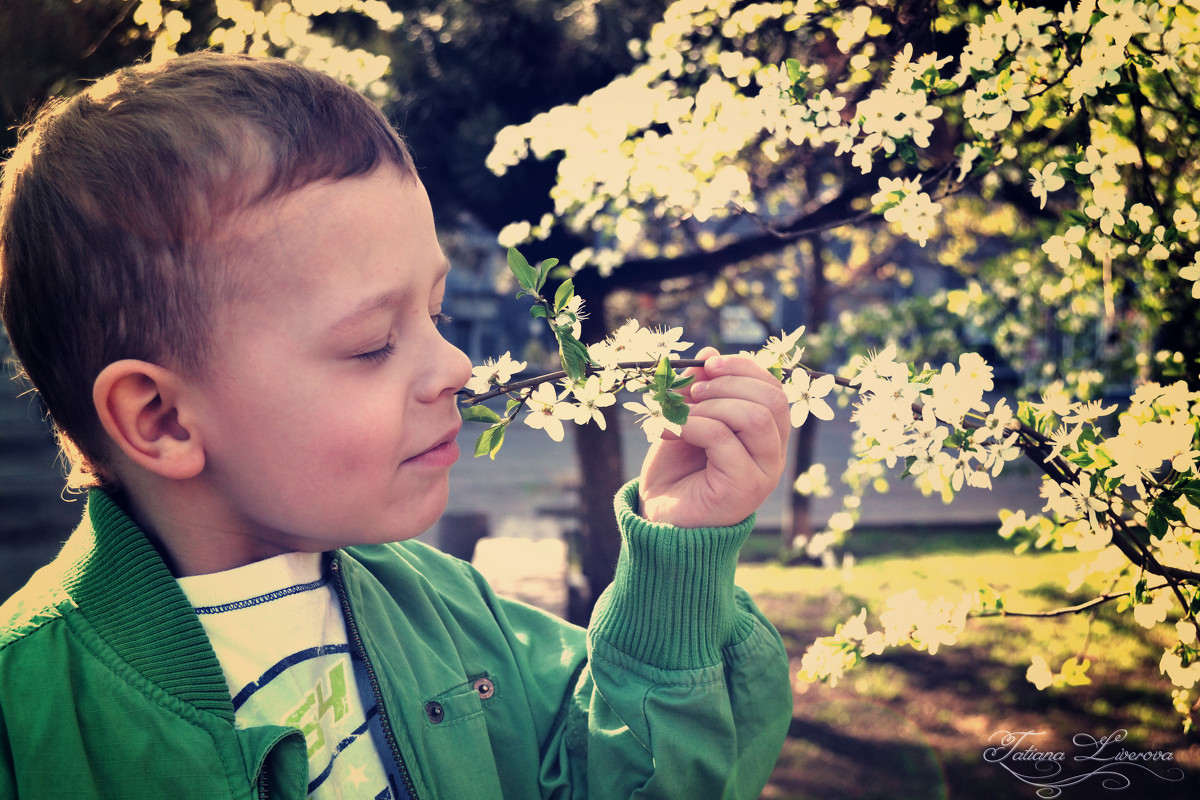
(491, 440)
(663, 386)
(479, 414)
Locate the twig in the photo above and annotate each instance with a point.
(469, 398)
(1061, 612)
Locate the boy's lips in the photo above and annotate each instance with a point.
(441, 453)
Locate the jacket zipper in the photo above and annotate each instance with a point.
(263, 793)
(352, 630)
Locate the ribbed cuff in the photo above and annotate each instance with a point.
(671, 604)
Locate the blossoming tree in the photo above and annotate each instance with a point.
(1050, 156)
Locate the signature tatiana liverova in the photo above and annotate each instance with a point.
(1098, 758)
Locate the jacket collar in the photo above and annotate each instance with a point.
(122, 586)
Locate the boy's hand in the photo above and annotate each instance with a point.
(730, 453)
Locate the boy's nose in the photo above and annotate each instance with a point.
(449, 368)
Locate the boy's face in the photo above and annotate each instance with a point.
(328, 414)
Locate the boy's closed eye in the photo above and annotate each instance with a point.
(381, 354)
(378, 355)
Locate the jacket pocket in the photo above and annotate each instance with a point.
(460, 704)
(459, 751)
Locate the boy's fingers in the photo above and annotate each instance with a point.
(748, 427)
(716, 365)
(768, 395)
(698, 373)
(736, 365)
(726, 454)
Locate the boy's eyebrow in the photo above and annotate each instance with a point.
(392, 297)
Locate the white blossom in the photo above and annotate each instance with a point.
(651, 418)
(957, 393)
(783, 352)
(1171, 665)
(1062, 248)
(547, 412)
(493, 372)
(1039, 673)
(827, 108)
(1192, 273)
(1045, 181)
(590, 398)
(995, 425)
(806, 396)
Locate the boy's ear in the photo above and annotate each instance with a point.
(139, 404)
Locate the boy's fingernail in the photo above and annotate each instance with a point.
(716, 362)
(699, 388)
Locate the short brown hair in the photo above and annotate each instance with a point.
(111, 198)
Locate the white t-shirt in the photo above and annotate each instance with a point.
(278, 631)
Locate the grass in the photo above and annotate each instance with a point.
(906, 724)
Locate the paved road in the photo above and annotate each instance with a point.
(517, 494)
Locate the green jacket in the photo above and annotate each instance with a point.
(109, 687)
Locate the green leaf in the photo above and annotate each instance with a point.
(958, 438)
(1191, 488)
(1074, 672)
(945, 87)
(520, 268)
(1156, 523)
(566, 290)
(674, 408)
(680, 381)
(544, 270)
(491, 440)
(1040, 421)
(990, 599)
(1140, 595)
(537, 312)
(795, 71)
(574, 356)
(1166, 506)
(480, 413)
(663, 374)
(662, 384)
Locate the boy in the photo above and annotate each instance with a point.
(222, 276)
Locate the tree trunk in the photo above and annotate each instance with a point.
(797, 524)
(601, 474)
(600, 470)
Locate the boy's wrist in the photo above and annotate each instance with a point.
(672, 601)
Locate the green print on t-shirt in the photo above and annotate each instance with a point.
(319, 702)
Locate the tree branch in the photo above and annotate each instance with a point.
(650, 271)
(1061, 612)
(1031, 443)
